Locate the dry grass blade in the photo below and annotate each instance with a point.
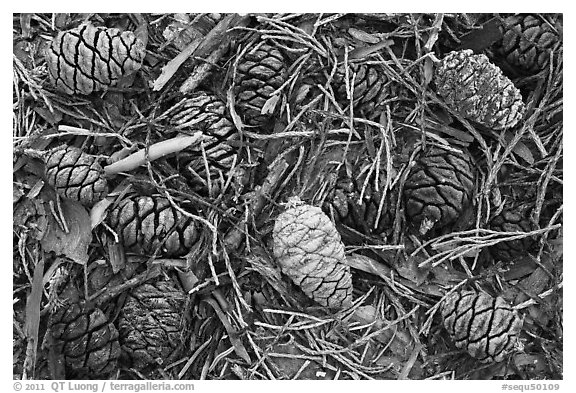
(232, 333)
(33, 319)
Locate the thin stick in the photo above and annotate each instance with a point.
(203, 70)
(155, 151)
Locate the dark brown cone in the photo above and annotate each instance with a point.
(512, 219)
(527, 42)
(371, 87)
(152, 325)
(206, 112)
(90, 58)
(87, 340)
(486, 327)
(438, 188)
(344, 201)
(101, 276)
(75, 175)
(145, 223)
(260, 72)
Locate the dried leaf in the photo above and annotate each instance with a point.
(480, 39)
(362, 53)
(522, 151)
(361, 35)
(270, 105)
(536, 363)
(428, 70)
(98, 211)
(232, 333)
(51, 117)
(36, 189)
(463, 136)
(73, 244)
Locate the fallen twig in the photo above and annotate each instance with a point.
(154, 152)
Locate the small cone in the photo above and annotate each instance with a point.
(75, 175)
(309, 250)
(145, 223)
(486, 327)
(478, 91)
(438, 189)
(90, 58)
(261, 71)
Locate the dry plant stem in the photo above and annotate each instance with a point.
(410, 363)
(110, 293)
(546, 175)
(214, 37)
(293, 33)
(71, 130)
(531, 302)
(198, 47)
(544, 239)
(433, 37)
(233, 239)
(35, 87)
(369, 265)
(155, 151)
(383, 330)
(193, 358)
(232, 334)
(477, 242)
(235, 284)
(253, 369)
(203, 70)
(222, 355)
(170, 69)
